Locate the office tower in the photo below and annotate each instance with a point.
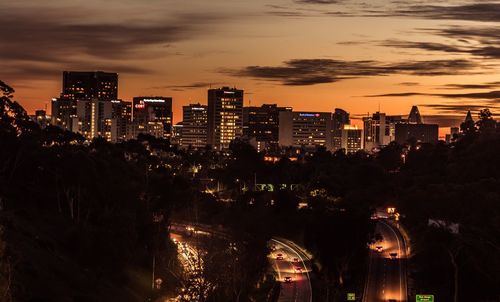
(305, 129)
(175, 139)
(63, 113)
(340, 118)
(194, 126)
(225, 116)
(81, 86)
(121, 114)
(415, 131)
(94, 119)
(261, 125)
(414, 117)
(351, 139)
(84, 85)
(379, 130)
(150, 112)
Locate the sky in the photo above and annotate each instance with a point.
(314, 55)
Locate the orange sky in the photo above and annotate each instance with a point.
(308, 54)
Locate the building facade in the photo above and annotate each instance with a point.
(88, 85)
(95, 119)
(225, 116)
(351, 139)
(305, 129)
(194, 126)
(379, 130)
(261, 125)
(153, 111)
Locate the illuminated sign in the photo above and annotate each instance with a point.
(198, 108)
(309, 114)
(153, 101)
(140, 105)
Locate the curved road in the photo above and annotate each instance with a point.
(295, 265)
(386, 279)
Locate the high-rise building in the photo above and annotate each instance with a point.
(121, 114)
(64, 113)
(379, 130)
(340, 117)
(225, 116)
(261, 125)
(414, 130)
(95, 119)
(154, 111)
(88, 85)
(414, 117)
(194, 126)
(78, 86)
(351, 139)
(305, 129)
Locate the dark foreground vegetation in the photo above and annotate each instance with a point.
(83, 222)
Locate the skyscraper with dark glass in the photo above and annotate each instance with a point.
(88, 85)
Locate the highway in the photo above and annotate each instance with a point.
(288, 261)
(386, 280)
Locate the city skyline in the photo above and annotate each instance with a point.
(339, 54)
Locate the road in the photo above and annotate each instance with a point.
(296, 265)
(387, 275)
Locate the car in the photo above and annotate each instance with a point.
(391, 300)
(298, 269)
(295, 260)
(379, 248)
(279, 257)
(288, 279)
(273, 247)
(393, 255)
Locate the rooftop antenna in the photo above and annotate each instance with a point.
(379, 106)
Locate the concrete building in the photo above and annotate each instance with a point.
(155, 110)
(121, 114)
(261, 125)
(305, 129)
(351, 139)
(95, 119)
(88, 85)
(225, 116)
(81, 86)
(415, 131)
(194, 126)
(379, 130)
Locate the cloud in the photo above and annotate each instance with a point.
(490, 85)
(422, 45)
(66, 38)
(409, 84)
(482, 12)
(188, 86)
(301, 72)
(457, 109)
(319, 1)
(490, 95)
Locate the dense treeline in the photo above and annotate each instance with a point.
(77, 220)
